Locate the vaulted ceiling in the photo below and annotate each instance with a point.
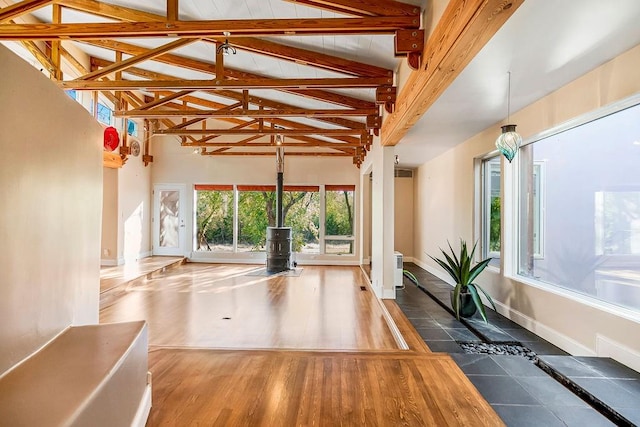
(312, 75)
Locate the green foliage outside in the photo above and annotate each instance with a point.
(339, 221)
(494, 225)
(256, 212)
(214, 219)
(339, 213)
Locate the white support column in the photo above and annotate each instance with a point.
(382, 219)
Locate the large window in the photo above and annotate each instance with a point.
(214, 218)
(579, 209)
(339, 214)
(256, 210)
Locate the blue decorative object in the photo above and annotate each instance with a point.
(509, 142)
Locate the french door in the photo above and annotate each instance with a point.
(168, 219)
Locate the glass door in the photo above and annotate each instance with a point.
(168, 220)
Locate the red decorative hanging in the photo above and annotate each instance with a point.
(111, 138)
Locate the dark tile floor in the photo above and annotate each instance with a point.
(522, 393)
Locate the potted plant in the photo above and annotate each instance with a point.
(465, 296)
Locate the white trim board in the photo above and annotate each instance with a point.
(606, 347)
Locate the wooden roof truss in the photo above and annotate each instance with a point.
(170, 105)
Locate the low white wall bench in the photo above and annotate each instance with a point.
(94, 375)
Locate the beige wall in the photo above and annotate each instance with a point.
(445, 204)
(134, 209)
(109, 241)
(403, 216)
(51, 192)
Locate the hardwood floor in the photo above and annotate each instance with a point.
(284, 388)
(114, 276)
(219, 306)
(313, 350)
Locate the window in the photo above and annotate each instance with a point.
(214, 218)
(132, 128)
(72, 93)
(491, 202)
(104, 114)
(339, 213)
(301, 209)
(582, 233)
(256, 212)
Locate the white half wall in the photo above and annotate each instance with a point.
(51, 192)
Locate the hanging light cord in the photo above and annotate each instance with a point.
(509, 99)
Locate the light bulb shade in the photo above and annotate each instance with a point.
(509, 142)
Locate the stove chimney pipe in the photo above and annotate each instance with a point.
(279, 186)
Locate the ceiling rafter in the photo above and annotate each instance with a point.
(267, 103)
(363, 7)
(281, 122)
(129, 62)
(284, 132)
(15, 10)
(260, 83)
(215, 28)
(271, 153)
(241, 112)
(307, 57)
(252, 44)
(161, 101)
(195, 65)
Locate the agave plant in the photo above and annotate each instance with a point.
(461, 270)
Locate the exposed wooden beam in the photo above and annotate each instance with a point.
(111, 11)
(15, 10)
(199, 29)
(241, 112)
(240, 97)
(163, 100)
(250, 99)
(150, 54)
(271, 153)
(308, 57)
(317, 144)
(465, 27)
(172, 10)
(192, 64)
(264, 83)
(363, 7)
(42, 57)
(55, 45)
(251, 44)
(286, 132)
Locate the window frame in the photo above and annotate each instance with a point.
(511, 219)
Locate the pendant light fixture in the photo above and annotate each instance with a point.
(225, 47)
(509, 140)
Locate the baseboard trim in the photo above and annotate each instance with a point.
(108, 262)
(142, 414)
(402, 344)
(606, 347)
(566, 343)
(389, 293)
